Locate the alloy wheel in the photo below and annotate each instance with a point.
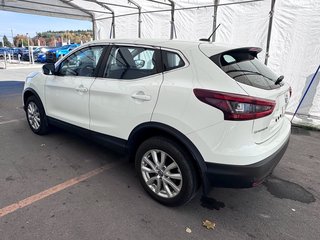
(34, 115)
(161, 173)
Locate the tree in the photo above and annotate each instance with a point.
(6, 41)
(22, 40)
(52, 41)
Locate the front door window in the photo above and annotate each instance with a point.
(81, 63)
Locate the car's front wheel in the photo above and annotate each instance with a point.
(165, 171)
(36, 116)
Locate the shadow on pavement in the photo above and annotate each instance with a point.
(10, 87)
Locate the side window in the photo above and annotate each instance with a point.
(144, 59)
(171, 60)
(130, 63)
(82, 62)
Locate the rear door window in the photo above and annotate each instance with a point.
(246, 68)
(171, 60)
(131, 62)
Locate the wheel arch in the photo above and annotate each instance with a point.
(28, 92)
(150, 129)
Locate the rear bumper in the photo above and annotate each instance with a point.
(233, 176)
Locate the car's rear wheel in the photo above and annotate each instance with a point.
(36, 116)
(165, 171)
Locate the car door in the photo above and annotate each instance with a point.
(126, 92)
(67, 92)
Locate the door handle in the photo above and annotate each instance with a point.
(141, 96)
(82, 89)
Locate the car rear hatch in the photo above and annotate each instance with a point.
(266, 127)
(257, 80)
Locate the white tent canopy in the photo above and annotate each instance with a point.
(190, 15)
(295, 36)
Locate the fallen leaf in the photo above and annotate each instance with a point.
(188, 230)
(208, 224)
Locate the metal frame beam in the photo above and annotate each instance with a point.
(33, 11)
(163, 3)
(181, 9)
(111, 4)
(214, 23)
(139, 16)
(104, 5)
(118, 5)
(113, 25)
(55, 5)
(273, 2)
(173, 27)
(172, 5)
(94, 24)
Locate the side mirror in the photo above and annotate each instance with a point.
(49, 69)
(139, 63)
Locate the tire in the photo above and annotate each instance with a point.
(171, 182)
(36, 116)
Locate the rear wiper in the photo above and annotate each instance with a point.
(238, 70)
(279, 80)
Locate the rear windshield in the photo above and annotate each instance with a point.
(246, 68)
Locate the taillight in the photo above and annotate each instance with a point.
(236, 107)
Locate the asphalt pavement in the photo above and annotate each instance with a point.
(109, 203)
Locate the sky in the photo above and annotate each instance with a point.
(26, 23)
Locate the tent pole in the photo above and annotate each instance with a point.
(94, 29)
(139, 16)
(172, 4)
(139, 23)
(112, 31)
(113, 26)
(172, 19)
(214, 24)
(273, 2)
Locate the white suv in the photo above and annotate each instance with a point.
(191, 114)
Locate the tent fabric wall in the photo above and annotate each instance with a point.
(190, 24)
(295, 48)
(295, 41)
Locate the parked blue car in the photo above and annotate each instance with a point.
(36, 52)
(41, 58)
(54, 55)
(2, 50)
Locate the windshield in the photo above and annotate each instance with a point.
(244, 67)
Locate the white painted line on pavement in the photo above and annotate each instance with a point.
(11, 121)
